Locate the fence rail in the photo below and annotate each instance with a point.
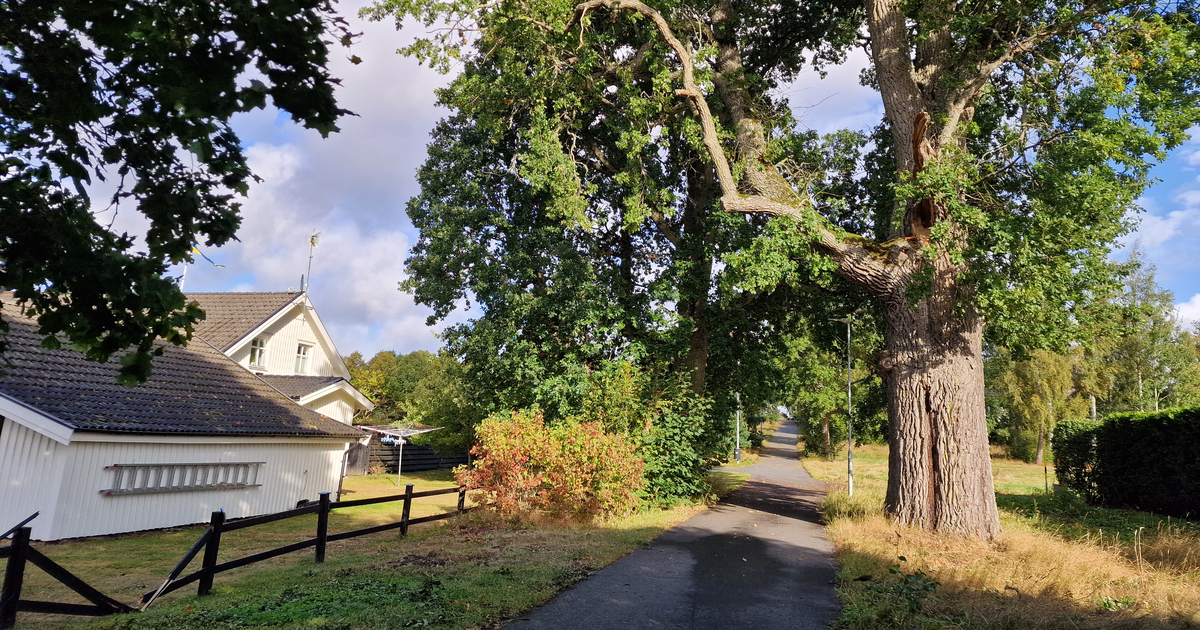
(19, 553)
(210, 541)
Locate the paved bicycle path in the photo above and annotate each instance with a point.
(758, 559)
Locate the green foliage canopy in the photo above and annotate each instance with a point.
(140, 94)
(1151, 362)
(1021, 136)
(419, 387)
(570, 204)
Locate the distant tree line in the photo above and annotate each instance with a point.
(1138, 359)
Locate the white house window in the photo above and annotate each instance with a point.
(258, 352)
(154, 478)
(302, 352)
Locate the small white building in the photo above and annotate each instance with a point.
(203, 434)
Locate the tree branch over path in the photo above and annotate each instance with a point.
(859, 260)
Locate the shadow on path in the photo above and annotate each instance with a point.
(757, 559)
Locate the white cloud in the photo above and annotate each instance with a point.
(836, 102)
(1155, 229)
(352, 186)
(355, 271)
(1190, 151)
(1189, 311)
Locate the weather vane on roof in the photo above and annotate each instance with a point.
(312, 244)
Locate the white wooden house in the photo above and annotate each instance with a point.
(279, 337)
(205, 433)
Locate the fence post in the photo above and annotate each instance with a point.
(408, 490)
(322, 526)
(14, 576)
(462, 500)
(210, 553)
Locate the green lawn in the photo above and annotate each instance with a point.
(467, 572)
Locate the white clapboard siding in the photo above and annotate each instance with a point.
(283, 337)
(67, 483)
(30, 476)
(338, 405)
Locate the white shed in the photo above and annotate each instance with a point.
(204, 434)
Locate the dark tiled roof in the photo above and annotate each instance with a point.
(194, 391)
(300, 386)
(229, 316)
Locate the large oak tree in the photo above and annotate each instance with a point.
(1019, 135)
(615, 252)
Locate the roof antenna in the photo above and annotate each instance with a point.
(312, 244)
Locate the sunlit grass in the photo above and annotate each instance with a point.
(1059, 563)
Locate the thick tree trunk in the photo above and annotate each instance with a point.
(694, 251)
(939, 471)
(695, 364)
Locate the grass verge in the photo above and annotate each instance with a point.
(470, 572)
(1059, 563)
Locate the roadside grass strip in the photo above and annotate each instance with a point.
(1059, 564)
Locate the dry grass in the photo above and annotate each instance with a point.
(1054, 567)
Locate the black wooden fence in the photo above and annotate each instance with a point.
(19, 553)
(410, 457)
(210, 540)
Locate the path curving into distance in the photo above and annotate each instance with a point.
(758, 559)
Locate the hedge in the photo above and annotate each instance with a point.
(1074, 448)
(1146, 461)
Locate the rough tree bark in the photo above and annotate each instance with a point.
(693, 248)
(940, 471)
(828, 442)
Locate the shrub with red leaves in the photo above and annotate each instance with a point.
(570, 469)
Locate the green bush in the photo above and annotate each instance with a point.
(1022, 444)
(1147, 461)
(757, 437)
(675, 467)
(675, 431)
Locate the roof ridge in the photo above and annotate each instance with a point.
(230, 317)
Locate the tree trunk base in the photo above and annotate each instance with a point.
(939, 471)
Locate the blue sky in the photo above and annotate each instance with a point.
(353, 187)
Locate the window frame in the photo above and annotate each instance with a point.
(261, 349)
(303, 355)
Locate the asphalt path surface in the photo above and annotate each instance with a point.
(758, 559)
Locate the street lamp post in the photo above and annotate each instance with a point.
(849, 409)
(737, 450)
